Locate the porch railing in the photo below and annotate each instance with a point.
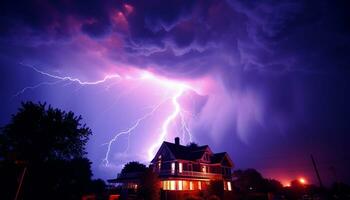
(193, 174)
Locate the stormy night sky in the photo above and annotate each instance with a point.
(266, 81)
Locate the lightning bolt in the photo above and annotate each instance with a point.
(128, 132)
(168, 120)
(177, 113)
(184, 127)
(71, 79)
(34, 87)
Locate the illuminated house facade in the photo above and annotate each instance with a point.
(186, 168)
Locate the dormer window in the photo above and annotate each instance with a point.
(180, 167)
(204, 169)
(206, 157)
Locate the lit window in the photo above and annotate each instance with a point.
(172, 185)
(167, 185)
(199, 185)
(185, 185)
(180, 167)
(229, 186)
(173, 168)
(179, 185)
(191, 185)
(204, 169)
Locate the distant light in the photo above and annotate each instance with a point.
(229, 188)
(302, 181)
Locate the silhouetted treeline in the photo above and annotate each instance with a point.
(43, 155)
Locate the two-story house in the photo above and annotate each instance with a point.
(191, 167)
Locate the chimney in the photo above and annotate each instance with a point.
(177, 141)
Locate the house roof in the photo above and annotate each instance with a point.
(193, 153)
(130, 176)
(218, 157)
(185, 152)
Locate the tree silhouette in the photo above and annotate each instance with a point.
(38, 133)
(149, 185)
(50, 144)
(133, 166)
(250, 184)
(192, 145)
(148, 182)
(250, 180)
(216, 190)
(274, 186)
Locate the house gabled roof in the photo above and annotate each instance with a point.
(186, 152)
(193, 153)
(220, 157)
(163, 148)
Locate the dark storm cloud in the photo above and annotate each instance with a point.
(251, 44)
(237, 39)
(311, 35)
(195, 40)
(53, 18)
(254, 35)
(261, 36)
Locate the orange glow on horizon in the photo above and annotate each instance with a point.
(302, 180)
